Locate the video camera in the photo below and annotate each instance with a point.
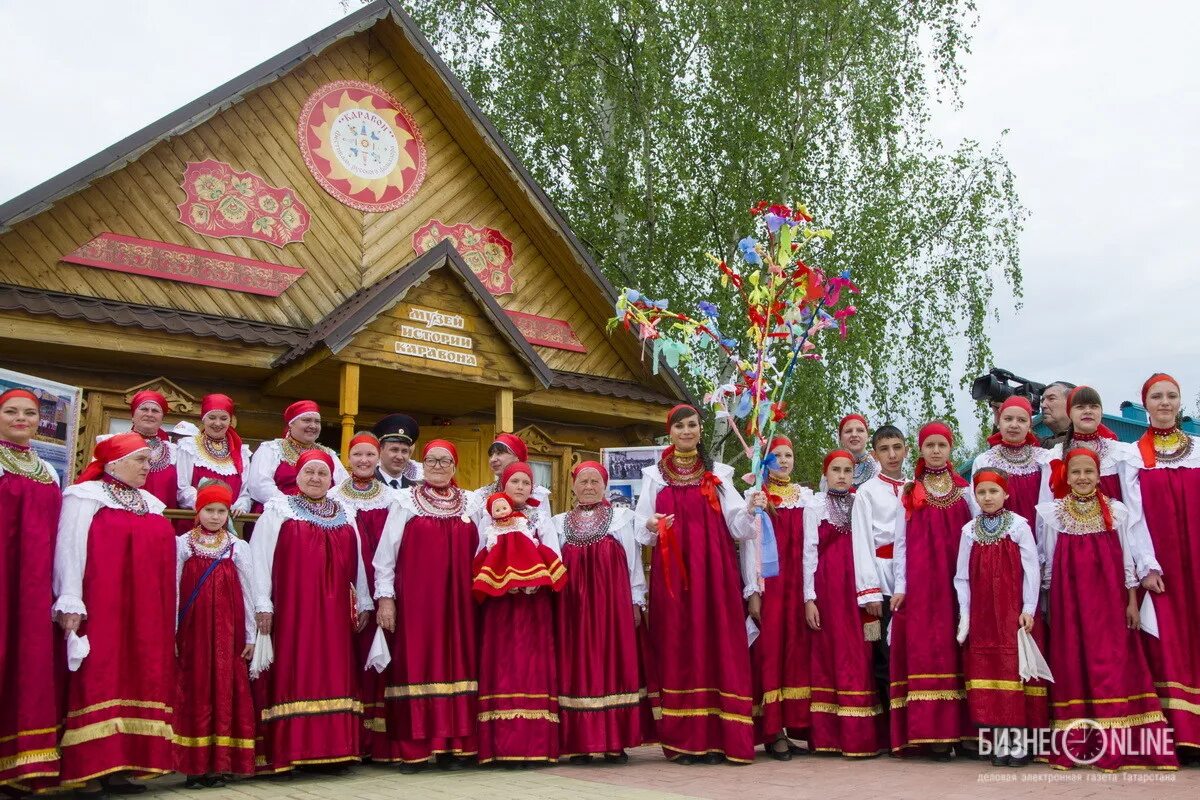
(995, 389)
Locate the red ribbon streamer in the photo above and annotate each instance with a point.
(671, 555)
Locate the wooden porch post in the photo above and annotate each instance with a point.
(504, 411)
(348, 405)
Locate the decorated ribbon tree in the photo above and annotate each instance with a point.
(782, 303)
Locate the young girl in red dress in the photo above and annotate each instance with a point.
(1087, 430)
(842, 598)
(998, 583)
(214, 715)
(1015, 453)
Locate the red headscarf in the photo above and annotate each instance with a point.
(222, 402)
(519, 467)
(678, 408)
(149, 395)
(914, 497)
(11, 393)
(835, 454)
(850, 418)
(778, 441)
(596, 465)
(445, 445)
(364, 438)
(991, 476)
(315, 454)
(213, 492)
(1060, 488)
(297, 410)
(1023, 404)
(1103, 431)
(513, 443)
(1146, 442)
(114, 448)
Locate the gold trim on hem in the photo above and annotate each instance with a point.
(24, 758)
(726, 695)
(132, 726)
(430, 689)
(659, 713)
(844, 754)
(1183, 687)
(786, 693)
(519, 695)
(926, 695)
(304, 762)
(154, 704)
(517, 713)
(845, 711)
(34, 732)
(213, 741)
(604, 702)
(1130, 721)
(1179, 704)
(334, 705)
(1130, 699)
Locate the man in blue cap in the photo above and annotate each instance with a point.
(397, 434)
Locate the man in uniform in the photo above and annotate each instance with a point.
(397, 434)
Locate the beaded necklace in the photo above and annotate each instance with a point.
(160, 454)
(991, 528)
(783, 493)
(125, 496)
(324, 513)
(940, 489)
(682, 469)
(865, 468)
(447, 502)
(587, 525)
(206, 544)
(290, 449)
(216, 450)
(1171, 444)
(1080, 514)
(353, 493)
(838, 506)
(1020, 455)
(22, 460)
(1092, 441)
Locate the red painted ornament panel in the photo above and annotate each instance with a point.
(547, 331)
(222, 202)
(486, 250)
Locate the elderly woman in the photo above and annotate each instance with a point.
(423, 586)
(146, 411)
(598, 614)
(366, 499)
(114, 584)
(691, 513)
(274, 465)
(29, 506)
(518, 682)
(312, 598)
(216, 453)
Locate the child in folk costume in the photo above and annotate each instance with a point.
(366, 499)
(518, 676)
(779, 656)
(1100, 672)
(602, 708)
(513, 559)
(1087, 430)
(843, 604)
(691, 515)
(215, 717)
(1162, 491)
(928, 703)
(1016, 453)
(998, 582)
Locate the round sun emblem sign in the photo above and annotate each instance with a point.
(361, 145)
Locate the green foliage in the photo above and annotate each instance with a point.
(656, 124)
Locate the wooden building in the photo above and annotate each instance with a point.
(340, 223)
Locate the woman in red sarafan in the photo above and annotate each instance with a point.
(146, 410)
(114, 585)
(1015, 453)
(601, 689)
(216, 453)
(30, 500)
(518, 676)
(998, 580)
(779, 657)
(1162, 491)
(1105, 711)
(690, 512)
(1087, 430)
(273, 468)
(843, 605)
(423, 585)
(214, 714)
(311, 597)
(928, 699)
(366, 499)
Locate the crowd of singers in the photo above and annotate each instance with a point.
(387, 613)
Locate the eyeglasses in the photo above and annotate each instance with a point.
(439, 463)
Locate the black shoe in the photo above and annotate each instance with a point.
(412, 768)
(779, 755)
(616, 758)
(1000, 761)
(122, 787)
(687, 761)
(1023, 761)
(195, 782)
(216, 782)
(452, 763)
(797, 750)
(580, 759)
(941, 755)
(713, 758)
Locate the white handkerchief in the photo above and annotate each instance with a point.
(1030, 664)
(964, 624)
(78, 648)
(380, 654)
(751, 631)
(1149, 621)
(264, 655)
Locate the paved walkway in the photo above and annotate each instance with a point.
(649, 776)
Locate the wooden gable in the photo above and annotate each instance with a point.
(251, 124)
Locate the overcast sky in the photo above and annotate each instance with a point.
(1102, 104)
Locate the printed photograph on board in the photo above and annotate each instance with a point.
(59, 423)
(625, 465)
